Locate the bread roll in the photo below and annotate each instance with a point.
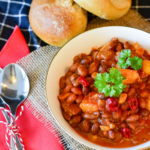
(107, 9)
(57, 21)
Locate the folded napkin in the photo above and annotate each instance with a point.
(34, 134)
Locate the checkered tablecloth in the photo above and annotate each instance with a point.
(15, 12)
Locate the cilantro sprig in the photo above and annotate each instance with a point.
(110, 83)
(125, 60)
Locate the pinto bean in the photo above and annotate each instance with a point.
(90, 80)
(133, 125)
(116, 114)
(76, 82)
(105, 134)
(76, 90)
(93, 68)
(85, 90)
(79, 99)
(86, 125)
(106, 114)
(74, 67)
(68, 81)
(133, 111)
(62, 82)
(82, 70)
(131, 92)
(71, 98)
(68, 74)
(133, 118)
(77, 119)
(142, 103)
(90, 115)
(95, 128)
(148, 87)
(123, 125)
(111, 134)
(102, 96)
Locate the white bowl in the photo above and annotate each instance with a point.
(64, 58)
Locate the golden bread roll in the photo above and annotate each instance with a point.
(107, 9)
(57, 21)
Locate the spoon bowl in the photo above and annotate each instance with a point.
(14, 86)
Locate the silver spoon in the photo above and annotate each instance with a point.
(14, 87)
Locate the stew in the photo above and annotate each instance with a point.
(105, 95)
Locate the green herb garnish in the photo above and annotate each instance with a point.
(110, 83)
(125, 60)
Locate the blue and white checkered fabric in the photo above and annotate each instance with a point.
(15, 12)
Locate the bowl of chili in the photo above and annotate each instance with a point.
(78, 87)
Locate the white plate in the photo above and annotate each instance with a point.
(64, 58)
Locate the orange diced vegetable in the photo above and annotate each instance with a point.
(140, 51)
(130, 75)
(146, 66)
(87, 106)
(122, 98)
(136, 45)
(148, 104)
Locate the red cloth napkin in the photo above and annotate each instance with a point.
(34, 134)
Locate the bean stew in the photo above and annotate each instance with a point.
(105, 95)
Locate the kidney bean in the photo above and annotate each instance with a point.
(82, 70)
(144, 93)
(77, 119)
(76, 90)
(67, 89)
(74, 67)
(116, 114)
(105, 133)
(66, 116)
(127, 45)
(93, 68)
(94, 115)
(133, 125)
(123, 125)
(100, 133)
(86, 125)
(144, 112)
(73, 77)
(118, 47)
(71, 98)
(68, 74)
(118, 137)
(93, 120)
(142, 103)
(133, 111)
(85, 61)
(106, 114)
(142, 86)
(133, 118)
(95, 128)
(79, 99)
(62, 82)
(131, 92)
(85, 90)
(111, 134)
(105, 54)
(124, 106)
(102, 69)
(68, 81)
(74, 109)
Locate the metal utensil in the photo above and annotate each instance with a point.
(14, 87)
